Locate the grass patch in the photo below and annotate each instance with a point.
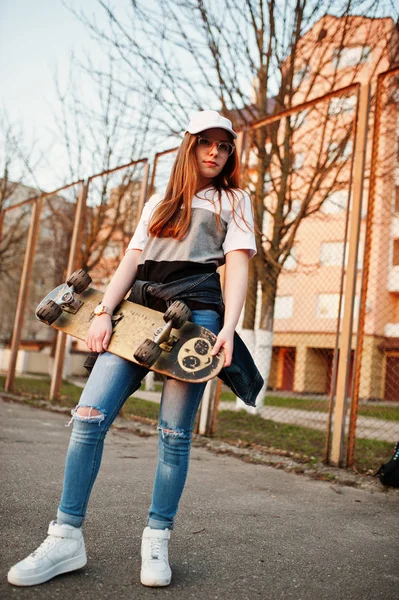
(233, 426)
(370, 454)
(252, 428)
(40, 389)
(389, 413)
(157, 387)
(141, 408)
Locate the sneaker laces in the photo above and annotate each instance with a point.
(48, 543)
(155, 548)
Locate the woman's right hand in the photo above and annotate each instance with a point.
(99, 333)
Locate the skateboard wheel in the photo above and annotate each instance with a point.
(147, 353)
(49, 312)
(80, 280)
(178, 313)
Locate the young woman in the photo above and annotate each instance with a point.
(202, 222)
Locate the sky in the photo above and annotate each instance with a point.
(36, 40)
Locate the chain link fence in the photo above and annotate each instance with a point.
(375, 401)
(15, 228)
(298, 169)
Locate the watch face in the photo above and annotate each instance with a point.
(99, 309)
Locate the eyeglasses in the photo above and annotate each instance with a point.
(224, 148)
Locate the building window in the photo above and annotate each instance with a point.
(283, 307)
(350, 57)
(331, 254)
(290, 263)
(337, 153)
(299, 159)
(253, 157)
(294, 211)
(300, 118)
(300, 75)
(395, 256)
(360, 255)
(327, 306)
(336, 202)
(342, 105)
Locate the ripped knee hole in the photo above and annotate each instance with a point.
(174, 433)
(88, 411)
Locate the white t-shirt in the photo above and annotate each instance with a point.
(203, 249)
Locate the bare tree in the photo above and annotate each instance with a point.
(253, 59)
(18, 163)
(98, 138)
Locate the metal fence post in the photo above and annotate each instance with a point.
(2, 217)
(23, 291)
(61, 337)
(143, 190)
(337, 446)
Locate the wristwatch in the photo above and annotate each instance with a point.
(101, 309)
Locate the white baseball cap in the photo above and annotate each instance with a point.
(209, 119)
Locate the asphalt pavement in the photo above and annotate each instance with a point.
(244, 531)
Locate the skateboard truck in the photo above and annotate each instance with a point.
(68, 302)
(163, 333)
(150, 350)
(50, 309)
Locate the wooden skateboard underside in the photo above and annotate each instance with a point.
(186, 355)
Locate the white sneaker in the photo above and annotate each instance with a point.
(155, 569)
(62, 551)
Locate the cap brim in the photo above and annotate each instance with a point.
(194, 130)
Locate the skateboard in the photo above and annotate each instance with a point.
(167, 343)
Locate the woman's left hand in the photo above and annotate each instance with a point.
(225, 340)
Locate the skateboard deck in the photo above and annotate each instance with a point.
(186, 352)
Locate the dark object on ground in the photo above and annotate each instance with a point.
(389, 472)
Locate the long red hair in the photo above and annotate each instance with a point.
(172, 216)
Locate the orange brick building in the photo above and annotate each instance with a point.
(309, 288)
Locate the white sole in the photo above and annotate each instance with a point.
(154, 582)
(71, 564)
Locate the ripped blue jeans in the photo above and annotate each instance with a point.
(111, 382)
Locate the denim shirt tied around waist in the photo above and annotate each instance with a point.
(242, 376)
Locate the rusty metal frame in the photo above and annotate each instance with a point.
(366, 261)
(303, 106)
(5, 210)
(144, 182)
(61, 337)
(341, 375)
(337, 445)
(26, 276)
(334, 376)
(243, 150)
(154, 167)
(80, 208)
(35, 223)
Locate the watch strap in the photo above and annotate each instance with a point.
(102, 309)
